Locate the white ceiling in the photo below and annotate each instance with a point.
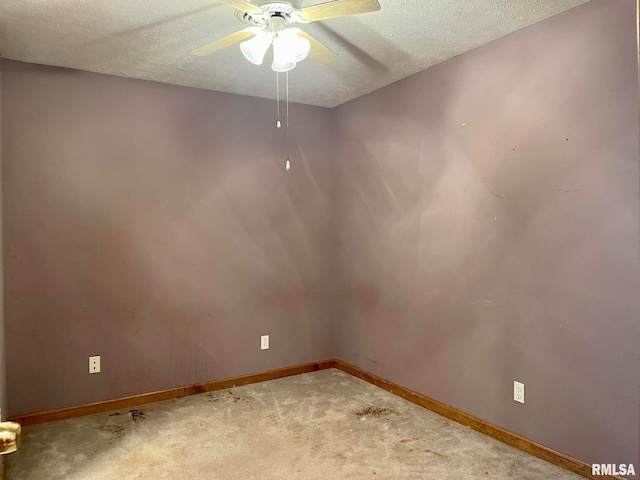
(152, 39)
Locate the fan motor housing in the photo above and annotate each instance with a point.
(282, 9)
(290, 5)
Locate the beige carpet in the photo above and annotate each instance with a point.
(324, 425)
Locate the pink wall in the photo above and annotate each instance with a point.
(3, 390)
(478, 224)
(156, 226)
(489, 232)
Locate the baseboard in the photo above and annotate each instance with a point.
(565, 461)
(137, 400)
(510, 438)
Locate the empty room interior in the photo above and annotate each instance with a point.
(355, 239)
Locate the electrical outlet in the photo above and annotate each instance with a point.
(264, 342)
(94, 364)
(518, 392)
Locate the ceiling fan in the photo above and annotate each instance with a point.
(271, 25)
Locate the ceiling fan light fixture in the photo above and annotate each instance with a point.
(288, 50)
(281, 64)
(270, 19)
(296, 46)
(255, 49)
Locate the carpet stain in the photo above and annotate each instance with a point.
(213, 398)
(371, 411)
(117, 430)
(407, 440)
(436, 454)
(136, 415)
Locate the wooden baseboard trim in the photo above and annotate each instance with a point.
(510, 438)
(137, 400)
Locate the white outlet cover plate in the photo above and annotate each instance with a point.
(518, 392)
(264, 342)
(94, 364)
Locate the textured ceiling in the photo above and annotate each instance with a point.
(152, 39)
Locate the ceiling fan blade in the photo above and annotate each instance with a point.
(338, 8)
(224, 42)
(319, 52)
(242, 5)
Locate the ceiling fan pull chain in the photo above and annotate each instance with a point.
(278, 124)
(288, 164)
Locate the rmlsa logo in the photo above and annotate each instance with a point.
(612, 469)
